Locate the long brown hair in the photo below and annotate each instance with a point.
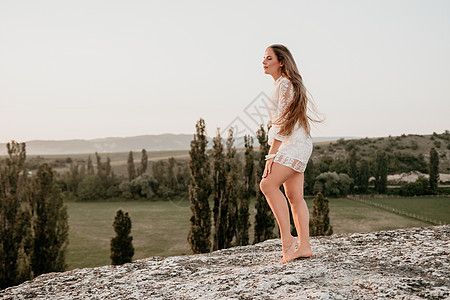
(296, 112)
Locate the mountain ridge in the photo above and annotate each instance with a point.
(158, 142)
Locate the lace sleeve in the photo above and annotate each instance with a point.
(285, 97)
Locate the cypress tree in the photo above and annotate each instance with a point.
(82, 171)
(434, 170)
(243, 223)
(122, 249)
(159, 173)
(74, 177)
(99, 163)
(264, 219)
(199, 191)
(248, 191)
(50, 225)
(352, 167)
(381, 171)
(219, 181)
(131, 169)
(171, 173)
(231, 189)
(90, 166)
(107, 168)
(249, 169)
(320, 222)
(144, 162)
(15, 233)
(363, 178)
(311, 172)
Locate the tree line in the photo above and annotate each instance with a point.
(34, 222)
(33, 227)
(232, 186)
(333, 177)
(356, 175)
(86, 181)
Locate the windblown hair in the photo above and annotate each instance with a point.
(296, 112)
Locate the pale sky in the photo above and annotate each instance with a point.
(93, 69)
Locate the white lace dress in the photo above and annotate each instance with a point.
(295, 149)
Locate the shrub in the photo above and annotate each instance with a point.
(122, 249)
(332, 184)
(417, 188)
(320, 221)
(327, 183)
(406, 162)
(91, 188)
(345, 183)
(351, 145)
(141, 187)
(325, 163)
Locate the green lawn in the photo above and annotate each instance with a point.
(349, 216)
(435, 208)
(160, 228)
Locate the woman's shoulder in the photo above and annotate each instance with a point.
(285, 83)
(282, 81)
(285, 78)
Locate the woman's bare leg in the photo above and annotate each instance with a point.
(270, 186)
(294, 192)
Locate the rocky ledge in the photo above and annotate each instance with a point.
(404, 264)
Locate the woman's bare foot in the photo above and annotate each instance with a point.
(288, 250)
(302, 253)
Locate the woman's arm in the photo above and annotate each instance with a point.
(285, 98)
(274, 147)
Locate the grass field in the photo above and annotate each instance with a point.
(348, 216)
(435, 208)
(160, 228)
(118, 159)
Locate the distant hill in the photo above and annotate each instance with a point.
(161, 142)
(406, 145)
(110, 144)
(403, 149)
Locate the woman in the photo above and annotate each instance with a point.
(291, 147)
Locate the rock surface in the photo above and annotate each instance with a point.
(405, 264)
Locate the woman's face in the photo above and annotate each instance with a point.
(271, 64)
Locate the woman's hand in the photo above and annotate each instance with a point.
(268, 168)
(269, 161)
